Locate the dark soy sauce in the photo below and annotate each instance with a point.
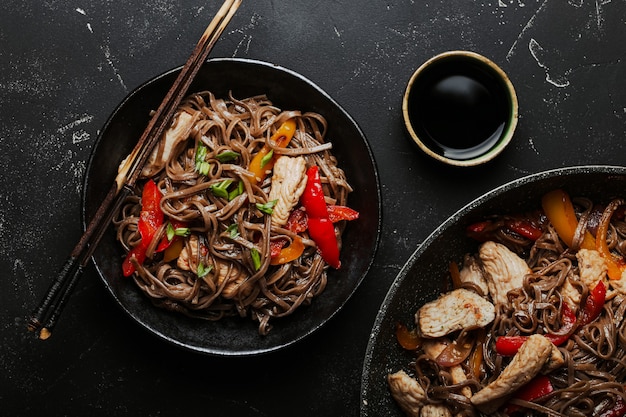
(458, 109)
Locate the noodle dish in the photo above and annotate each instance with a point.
(255, 218)
(531, 321)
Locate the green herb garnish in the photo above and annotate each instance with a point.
(221, 189)
(179, 231)
(204, 270)
(256, 258)
(236, 192)
(227, 156)
(202, 167)
(268, 157)
(267, 208)
(233, 230)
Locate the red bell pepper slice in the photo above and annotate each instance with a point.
(485, 230)
(509, 345)
(321, 229)
(537, 388)
(593, 304)
(150, 220)
(339, 213)
(524, 228)
(322, 232)
(618, 410)
(297, 221)
(313, 196)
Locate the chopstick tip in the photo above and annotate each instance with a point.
(33, 324)
(44, 334)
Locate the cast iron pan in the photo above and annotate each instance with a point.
(422, 277)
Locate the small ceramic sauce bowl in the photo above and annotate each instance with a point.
(460, 108)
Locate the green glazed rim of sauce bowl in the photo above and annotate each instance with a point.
(511, 99)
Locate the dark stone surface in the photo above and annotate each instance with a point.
(65, 66)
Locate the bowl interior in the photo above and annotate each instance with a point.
(460, 108)
(421, 279)
(287, 90)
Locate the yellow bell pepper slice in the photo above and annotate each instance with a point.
(263, 162)
(560, 211)
(615, 265)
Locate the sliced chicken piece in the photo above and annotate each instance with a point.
(407, 392)
(187, 260)
(459, 309)
(529, 361)
(569, 291)
(288, 183)
(234, 277)
(591, 266)
(433, 349)
(435, 410)
(473, 273)
(555, 361)
(592, 269)
(504, 270)
(178, 132)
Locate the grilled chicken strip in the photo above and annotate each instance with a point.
(504, 270)
(456, 310)
(530, 360)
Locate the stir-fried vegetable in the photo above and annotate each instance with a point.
(614, 264)
(150, 220)
(560, 211)
(288, 253)
(408, 339)
(321, 228)
(537, 388)
(509, 345)
(264, 160)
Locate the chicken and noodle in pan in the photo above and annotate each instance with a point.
(239, 212)
(534, 322)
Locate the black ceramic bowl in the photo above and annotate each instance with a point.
(421, 279)
(287, 90)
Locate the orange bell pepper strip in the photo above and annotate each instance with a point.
(560, 211)
(408, 339)
(614, 264)
(263, 162)
(289, 253)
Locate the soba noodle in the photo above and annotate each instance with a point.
(228, 239)
(591, 381)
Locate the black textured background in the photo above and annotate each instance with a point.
(64, 67)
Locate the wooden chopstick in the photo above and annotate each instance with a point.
(47, 312)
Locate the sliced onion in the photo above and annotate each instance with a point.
(455, 353)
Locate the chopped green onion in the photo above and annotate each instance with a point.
(227, 156)
(267, 208)
(202, 166)
(221, 189)
(233, 230)
(203, 270)
(182, 231)
(256, 258)
(268, 157)
(236, 192)
(179, 231)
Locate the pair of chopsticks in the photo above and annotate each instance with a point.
(46, 314)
